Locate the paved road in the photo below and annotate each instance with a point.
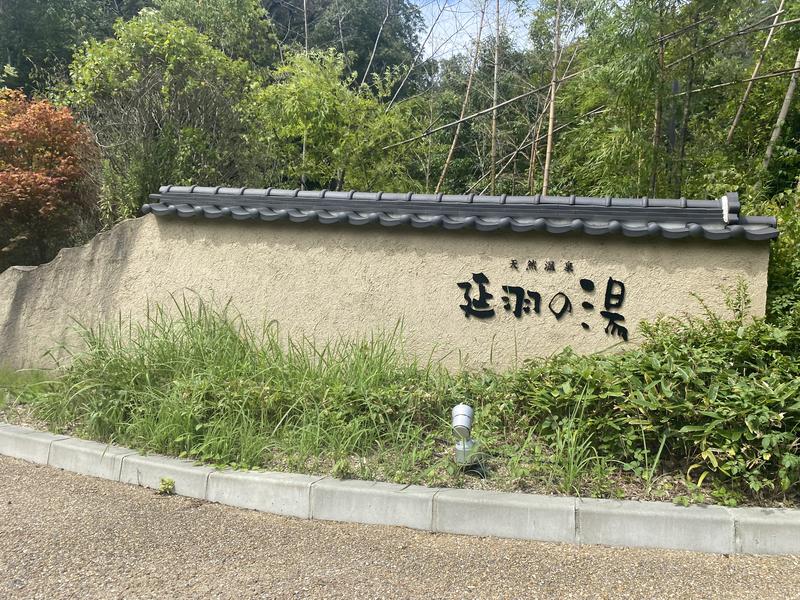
(64, 536)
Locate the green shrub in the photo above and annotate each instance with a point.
(163, 103)
(715, 399)
(720, 394)
(783, 295)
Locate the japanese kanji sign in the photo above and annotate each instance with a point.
(522, 302)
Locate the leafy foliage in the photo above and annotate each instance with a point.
(164, 105)
(718, 395)
(166, 486)
(783, 293)
(239, 28)
(711, 400)
(38, 37)
(45, 188)
(323, 133)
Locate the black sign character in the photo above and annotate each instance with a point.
(566, 305)
(521, 303)
(477, 307)
(615, 296)
(614, 327)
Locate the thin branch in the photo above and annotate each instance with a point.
(752, 28)
(482, 112)
(721, 85)
(377, 39)
(472, 69)
(416, 57)
(756, 69)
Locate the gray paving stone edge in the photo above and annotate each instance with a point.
(469, 512)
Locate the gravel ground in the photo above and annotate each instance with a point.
(64, 535)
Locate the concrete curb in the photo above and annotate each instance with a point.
(373, 502)
(471, 512)
(27, 444)
(279, 493)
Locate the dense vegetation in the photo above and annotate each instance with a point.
(46, 196)
(642, 97)
(706, 409)
(650, 95)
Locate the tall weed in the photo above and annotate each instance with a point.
(701, 395)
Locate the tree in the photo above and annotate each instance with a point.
(38, 37)
(45, 186)
(311, 105)
(240, 28)
(165, 107)
(352, 28)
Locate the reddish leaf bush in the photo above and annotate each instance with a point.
(45, 188)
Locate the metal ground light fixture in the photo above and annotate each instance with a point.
(466, 447)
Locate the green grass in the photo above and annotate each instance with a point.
(709, 398)
(207, 387)
(12, 379)
(14, 382)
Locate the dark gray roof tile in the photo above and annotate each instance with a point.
(633, 217)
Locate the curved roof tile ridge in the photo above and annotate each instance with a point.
(633, 217)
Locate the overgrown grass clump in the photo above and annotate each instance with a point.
(204, 385)
(706, 409)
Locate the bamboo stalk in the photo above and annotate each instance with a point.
(687, 101)
(538, 124)
(552, 115)
(525, 143)
(657, 121)
(673, 34)
(493, 159)
(472, 69)
(305, 23)
(481, 112)
(340, 18)
(534, 153)
(781, 73)
(377, 39)
(756, 69)
(787, 101)
(752, 28)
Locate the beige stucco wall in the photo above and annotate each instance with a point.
(326, 281)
